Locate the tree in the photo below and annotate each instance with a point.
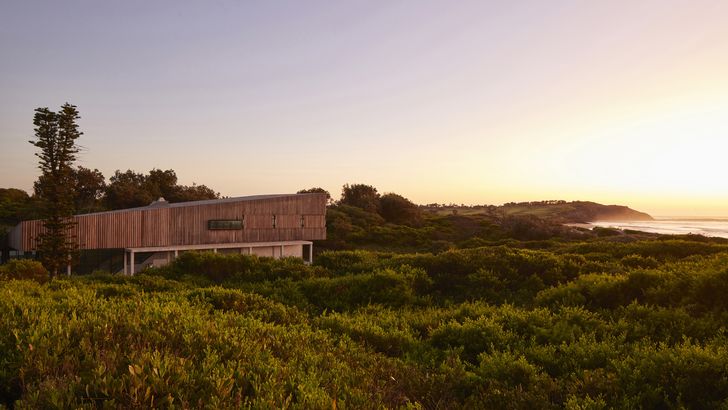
(130, 189)
(316, 190)
(399, 210)
(185, 193)
(361, 196)
(15, 206)
(127, 190)
(89, 188)
(162, 184)
(55, 136)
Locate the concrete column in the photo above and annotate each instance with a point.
(169, 257)
(176, 254)
(214, 250)
(68, 269)
(282, 246)
(132, 263)
(250, 250)
(125, 269)
(310, 253)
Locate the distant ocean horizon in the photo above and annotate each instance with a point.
(706, 226)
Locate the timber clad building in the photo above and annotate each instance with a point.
(131, 239)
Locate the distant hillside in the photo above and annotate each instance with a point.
(554, 211)
(578, 211)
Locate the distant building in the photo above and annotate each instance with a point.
(130, 239)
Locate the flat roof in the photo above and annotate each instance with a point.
(160, 205)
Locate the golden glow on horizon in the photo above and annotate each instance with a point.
(664, 153)
(615, 102)
(665, 160)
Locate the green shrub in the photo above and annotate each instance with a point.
(24, 269)
(250, 304)
(344, 262)
(511, 382)
(220, 268)
(637, 261)
(687, 375)
(473, 336)
(390, 287)
(378, 328)
(606, 232)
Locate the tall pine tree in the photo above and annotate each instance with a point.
(55, 136)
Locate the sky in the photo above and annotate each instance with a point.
(475, 102)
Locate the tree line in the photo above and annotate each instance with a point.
(394, 208)
(90, 192)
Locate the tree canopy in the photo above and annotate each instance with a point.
(397, 209)
(131, 189)
(361, 196)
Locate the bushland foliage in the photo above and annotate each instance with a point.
(24, 269)
(567, 324)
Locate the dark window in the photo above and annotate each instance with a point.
(274, 221)
(219, 224)
(303, 221)
(306, 253)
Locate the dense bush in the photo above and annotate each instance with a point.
(24, 269)
(390, 287)
(152, 351)
(399, 210)
(248, 303)
(519, 325)
(218, 268)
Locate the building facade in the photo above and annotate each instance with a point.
(264, 225)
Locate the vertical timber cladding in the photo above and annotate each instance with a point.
(186, 224)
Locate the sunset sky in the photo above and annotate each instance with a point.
(470, 102)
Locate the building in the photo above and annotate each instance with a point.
(130, 239)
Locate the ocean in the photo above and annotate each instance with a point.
(675, 226)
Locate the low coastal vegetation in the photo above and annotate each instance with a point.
(593, 323)
(405, 306)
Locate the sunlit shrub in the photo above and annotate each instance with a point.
(219, 268)
(474, 336)
(637, 261)
(382, 331)
(659, 376)
(509, 381)
(343, 262)
(391, 287)
(249, 304)
(24, 269)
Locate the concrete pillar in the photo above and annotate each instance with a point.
(132, 263)
(310, 253)
(169, 257)
(68, 269)
(282, 246)
(250, 250)
(176, 254)
(214, 250)
(125, 269)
